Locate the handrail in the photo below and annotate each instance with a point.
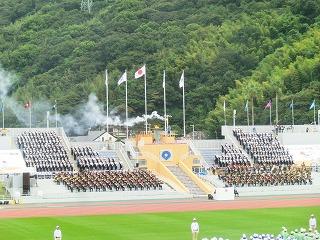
(125, 157)
(197, 153)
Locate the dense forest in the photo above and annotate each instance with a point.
(231, 50)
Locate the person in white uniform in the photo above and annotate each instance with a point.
(57, 234)
(313, 223)
(195, 229)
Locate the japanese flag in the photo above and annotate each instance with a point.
(140, 72)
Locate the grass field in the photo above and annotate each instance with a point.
(168, 226)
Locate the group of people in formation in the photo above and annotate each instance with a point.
(297, 234)
(89, 159)
(44, 151)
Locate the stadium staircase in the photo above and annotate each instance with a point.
(186, 180)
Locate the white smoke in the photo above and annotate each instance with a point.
(91, 114)
(85, 117)
(6, 82)
(153, 115)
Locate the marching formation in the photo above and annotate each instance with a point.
(109, 180)
(265, 175)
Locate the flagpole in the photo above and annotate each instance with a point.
(107, 96)
(48, 124)
(127, 130)
(56, 112)
(184, 110)
(270, 112)
(145, 98)
(292, 115)
(2, 114)
(248, 112)
(30, 106)
(277, 120)
(164, 101)
(252, 112)
(224, 112)
(314, 113)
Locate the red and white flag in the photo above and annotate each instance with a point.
(27, 105)
(140, 72)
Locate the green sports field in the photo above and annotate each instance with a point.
(169, 226)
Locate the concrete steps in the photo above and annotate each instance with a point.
(186, 180)
(48, 191)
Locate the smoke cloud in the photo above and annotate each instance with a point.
(86, 116)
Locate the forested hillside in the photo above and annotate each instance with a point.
(232, 50)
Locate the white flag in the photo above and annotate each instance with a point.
(181, 82)
(123, 78)
(140, 72)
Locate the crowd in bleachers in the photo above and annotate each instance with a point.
(109, 180)
(263, 148)
(88, 159)
(231, 156)
(44, 151)
(265, 175)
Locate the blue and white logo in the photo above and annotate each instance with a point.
(166, 155)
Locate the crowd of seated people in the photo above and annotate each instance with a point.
(265, 175)
(44, 151)
(109, 180)
(263, 148)
(88, 159)
(231, 155)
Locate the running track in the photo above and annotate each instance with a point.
(153, 206)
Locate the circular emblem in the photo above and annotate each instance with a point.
(166, 155)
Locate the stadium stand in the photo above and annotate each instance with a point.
(264, 148)
(88, 159)
(44, 151)
(109, 180)
(265, 175)
(230, 156)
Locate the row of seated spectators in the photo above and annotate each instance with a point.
(44, 151)
(265, 175)
(88, 159)
(263, 147)
(109, 180)
(231, 155)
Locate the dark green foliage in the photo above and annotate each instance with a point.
(242, 49)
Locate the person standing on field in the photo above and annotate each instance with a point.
(57, 234)
(195, 229)
(313, 223)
